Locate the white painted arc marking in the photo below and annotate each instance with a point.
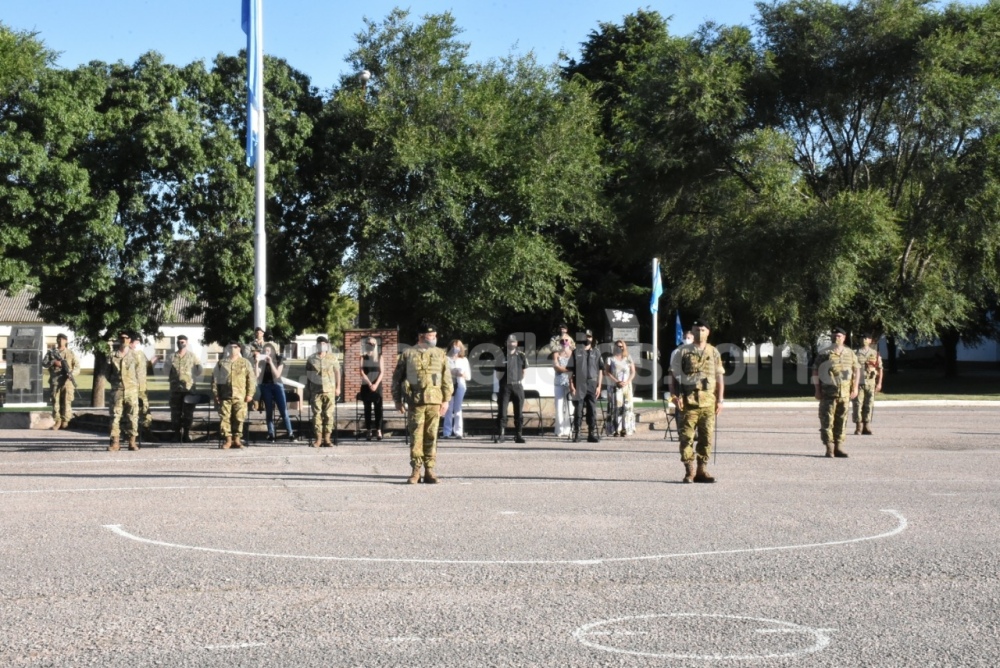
(899, 528)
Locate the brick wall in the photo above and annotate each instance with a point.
(388, 348)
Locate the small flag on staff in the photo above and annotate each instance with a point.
(680, 330)
(254, 28)
(654, 305)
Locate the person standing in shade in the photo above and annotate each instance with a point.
(371, 371)
(63, 366)
(233, 387)
(461, 373)
(697, 392)
(183, 369)
(510, 376)
(563, 400)
(145, 414)
(835, 378)
(422, 380)
(585, 384)
(125, 373)
(269, 366)
(322, 378)
(621, 371)
(870, 363)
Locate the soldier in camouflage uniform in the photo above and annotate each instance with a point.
(322, 376)
(835, 378)
(422, 379)
(63, 366)
(697, 389)
(233, 385)
(145, 416)
(871, 375)
(183, 369)
(126, 375)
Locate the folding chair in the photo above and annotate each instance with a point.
(670, 410)
(200, 399)
(537, 397)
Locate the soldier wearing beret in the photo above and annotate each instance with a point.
(322, 386)
(422, 379)
(835, 377)
(697, 389)
(63, 366)
(870, 363)
(125, 372)
(183, 370)
(233, 386)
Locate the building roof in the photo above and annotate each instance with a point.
(14, 310)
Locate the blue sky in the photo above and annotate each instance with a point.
(315, 36)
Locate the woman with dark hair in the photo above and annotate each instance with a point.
(371, 387)
(270, 365)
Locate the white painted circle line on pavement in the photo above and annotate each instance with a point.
(820, 637)
(899, 528)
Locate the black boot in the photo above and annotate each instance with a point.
(518, 438)
(502, 437)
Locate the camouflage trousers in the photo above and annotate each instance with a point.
(62, 402)
(124, 408)
(232, 415)
(422, 423)
(145, 417)
(322, 404)
(865, 403)
(696, 429)
(832, 420)
(181, 414)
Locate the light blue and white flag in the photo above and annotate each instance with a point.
(679, 330)
(654, 302)
(253, 26)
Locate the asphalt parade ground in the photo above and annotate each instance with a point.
(546, 554)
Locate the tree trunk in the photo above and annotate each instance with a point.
(892, 364)
(97, 394)
(949, 341)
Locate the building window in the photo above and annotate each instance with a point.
(163, 347)
(213, 353)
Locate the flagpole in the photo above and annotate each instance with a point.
(253, 25)
(656, 356)
(260, 239)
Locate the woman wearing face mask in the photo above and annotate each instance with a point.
(270, 366)
(371, 386)
(621, 371)
(560, 358)
(461, 373)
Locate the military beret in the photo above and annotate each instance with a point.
(127, 334)
(62, 336)
(563, 325)
(867, 335)
(426, 328)
(838, 330)
(322, 339)
(589, 332)
(182, 337)
(701, 322)
(258, 329)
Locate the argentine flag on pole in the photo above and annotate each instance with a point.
(654, 302)
(254, 28)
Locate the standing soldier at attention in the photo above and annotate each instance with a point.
(145, 417)
(835, 378)
(870, 363)
(126, 374)
(183, 369)
(233, 385)
(423, 380)
(322, 374)
(697, 392)
(63, 367)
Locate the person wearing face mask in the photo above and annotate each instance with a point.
(698, 391)
(233, 387)
(509, 378)
(560, 362)
(270, 365)
(145, 416)
(422, 380)
(585, 383)
(371, 371)
(183, 370)
(322, 376)
(125, 373)
(836, 375)
(621, 371)
(461, 373)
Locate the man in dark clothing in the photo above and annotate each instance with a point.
(510, 376)
(585, 382)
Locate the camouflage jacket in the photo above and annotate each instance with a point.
(422, 377)
(322, 373)
(871, 364)
(233, 379)
(184, 371)
(836, 370)
(699, 374)
(70, 365)
(126, 372)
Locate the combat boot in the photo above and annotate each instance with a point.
(837, 452)
(519, 437)
(829, 450)
(866, 430)
(688, 472)
(857, 429)
(702, 474)
(186, 436)
(414, 474)
(593, 438)
(55, 426)
(114, 444)
(237, 443)
(228, 443)
(132, 445)
(327, 443)
(64, 425)
(429, 477)
(502, 436)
